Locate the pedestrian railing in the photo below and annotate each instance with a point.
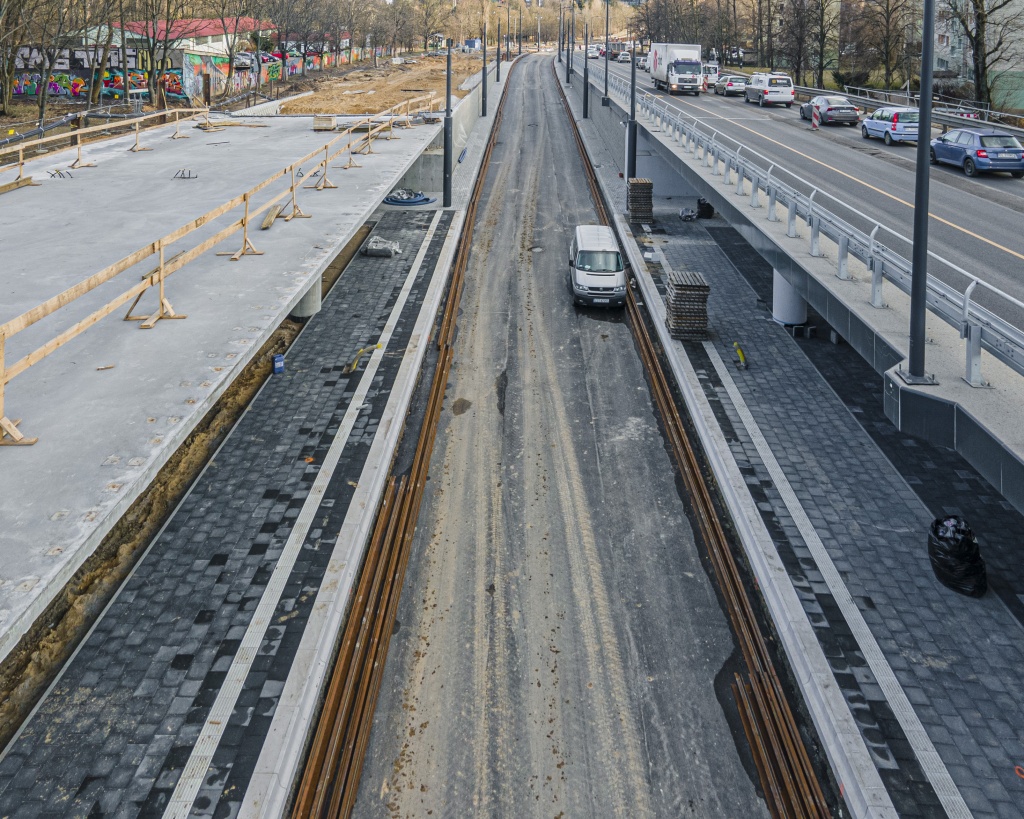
(983, 314)
(357, 138)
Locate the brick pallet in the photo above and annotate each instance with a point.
(687, 313)
(640, 200)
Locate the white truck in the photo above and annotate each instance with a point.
(676, 67)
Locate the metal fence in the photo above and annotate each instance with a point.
(982, 326)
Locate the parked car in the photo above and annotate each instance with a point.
(831, 110)
(891, 125)
(624, 57)
(770, 89)
(979, 150)
(730, 84)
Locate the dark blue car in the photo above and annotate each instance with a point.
(977, 150)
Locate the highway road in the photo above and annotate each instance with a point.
(561, 650)
(975, 223)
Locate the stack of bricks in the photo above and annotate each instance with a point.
(687, 314)
(640, 200)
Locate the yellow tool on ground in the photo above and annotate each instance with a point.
(351, 368)
(742, 363)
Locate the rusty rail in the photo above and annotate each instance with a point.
(330, 778)
(790, 785)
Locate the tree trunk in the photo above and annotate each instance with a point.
(96, 86)
(980, 58)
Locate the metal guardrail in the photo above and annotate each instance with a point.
(978, 326)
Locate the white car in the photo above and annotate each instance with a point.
(624, 57)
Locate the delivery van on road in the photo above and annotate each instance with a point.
(597, 275)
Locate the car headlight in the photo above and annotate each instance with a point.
(620, 289)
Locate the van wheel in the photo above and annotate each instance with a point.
(760, 102)
(887, 138)
(789, 105)
(970, 169)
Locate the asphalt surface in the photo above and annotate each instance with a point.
(560, 649)
(975, 223)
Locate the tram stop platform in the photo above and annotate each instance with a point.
(207, 664)
(914, 689)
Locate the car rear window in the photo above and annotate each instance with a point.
(1000, 141)
(598, 261)
(837, 101)
(908, 116)
(779, 82)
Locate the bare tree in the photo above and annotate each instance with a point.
(878, 31)
(234, 16)
(993, 30)
(431, 16)
(15, 16)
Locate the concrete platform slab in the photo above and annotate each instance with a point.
(112, 405)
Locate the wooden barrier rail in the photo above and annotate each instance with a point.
(75, 140)
(366, 128)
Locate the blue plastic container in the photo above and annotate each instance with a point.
(278, 364)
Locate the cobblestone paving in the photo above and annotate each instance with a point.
(958, 659)
(113, 736)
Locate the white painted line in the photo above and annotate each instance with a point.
(295, 717)
(848, 754)
(199, 761)
(929, 759)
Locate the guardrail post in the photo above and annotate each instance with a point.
(714, 165)
(727, 176)
(815, 235)
(755, 199)
(876, 283)
(843, 268)
(772, 196)
(739, 179)
(791, 218)
(972, 333)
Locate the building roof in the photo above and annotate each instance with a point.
(184, 29)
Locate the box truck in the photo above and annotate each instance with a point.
(676, 67)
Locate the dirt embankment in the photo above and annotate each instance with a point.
(370, 90)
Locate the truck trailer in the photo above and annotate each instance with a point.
(676, 67)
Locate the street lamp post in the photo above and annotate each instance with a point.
(919, 260)
(447, 200)
(586, 71)
(483, 77)
(604, 99)
(497, 69)
(519, 31)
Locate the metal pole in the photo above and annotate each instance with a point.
(559, 34)
(519, 31)
(497, 70)
(508, 32)
(604, 100)
(631, 125)
(919, 261)
(483, 79)
(586, 72)
(568, 53)
(538, 34)
(447, 201)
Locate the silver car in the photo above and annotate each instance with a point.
(891, 125)
(730, 84)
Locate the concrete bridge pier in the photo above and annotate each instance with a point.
(309, 304)
(788, 306)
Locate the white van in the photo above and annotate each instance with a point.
(770, 89)
(597, 275)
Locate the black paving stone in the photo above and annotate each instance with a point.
(170, 635)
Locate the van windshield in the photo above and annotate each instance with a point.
(599, 261)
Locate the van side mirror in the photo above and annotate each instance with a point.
(572, 262)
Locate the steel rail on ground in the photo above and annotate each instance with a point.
(790, 785)
(329, 783)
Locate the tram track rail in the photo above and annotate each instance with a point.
(787, 775)
(330, 779)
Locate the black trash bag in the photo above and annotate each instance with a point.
(705, 210)
(956, 558)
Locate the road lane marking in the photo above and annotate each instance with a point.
(895, 198)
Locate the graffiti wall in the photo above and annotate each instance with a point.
(195, 65)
